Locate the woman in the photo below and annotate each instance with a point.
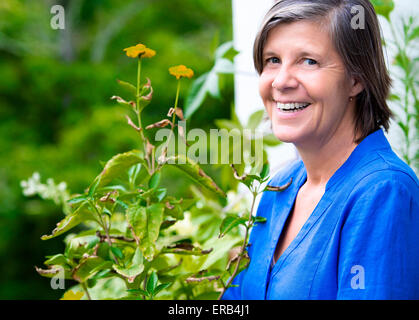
(348, 225)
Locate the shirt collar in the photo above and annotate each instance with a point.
(374, 141)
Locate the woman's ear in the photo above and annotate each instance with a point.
(356, 86)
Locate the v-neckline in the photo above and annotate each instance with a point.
(311, 220)
(281, 229)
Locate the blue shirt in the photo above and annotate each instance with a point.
(360, 242)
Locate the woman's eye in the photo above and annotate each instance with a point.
(272, 60)
(310, 62)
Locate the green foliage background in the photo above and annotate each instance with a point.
(56, 116)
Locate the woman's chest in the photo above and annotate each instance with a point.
(307, 263)
(304, 205)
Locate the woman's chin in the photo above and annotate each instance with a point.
(285, 134)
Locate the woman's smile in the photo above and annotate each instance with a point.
(290, 110)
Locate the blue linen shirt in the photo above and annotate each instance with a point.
(360, 242)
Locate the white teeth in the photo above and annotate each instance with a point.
(290, 106)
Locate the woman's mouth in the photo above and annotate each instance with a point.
(292, 107)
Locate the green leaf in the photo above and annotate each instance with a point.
(134, 268)
(58, 259)
(221, 250)
(404, 128)
(255, 119)
(146, 94)
(194, 171)
(414, 34)
(88, 267)
(208, 83)
(154, 220)
(119, 165)
(227, 124)
(402, 60)
(117, 252)
(152, 282)
(161, 287)
(93, 187)
(271, 140)
(248, 180)
(154, 180)
(137, 218)
(394, 97)
(128, 87)
(146, 223)
(130, 104)
(77, 199)
(139, 291)
(81, 214)
(383, 7)
(265, 171)
(55, 270)
(196, 95)
(160, 194)
(215, 42)
(259, 219)
(231, 221)
(212, 86)
(133, 173)
(226, 50)
(244, 262)
(122, 204)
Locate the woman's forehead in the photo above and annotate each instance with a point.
(301, 36)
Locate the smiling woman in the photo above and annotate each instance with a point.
(352, 204)
(304, 86)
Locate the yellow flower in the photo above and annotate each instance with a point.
(134, 51)
(148, 53)
(139, 50)
(181, 71)
(70, 295)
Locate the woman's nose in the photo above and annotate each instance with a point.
(284, 79)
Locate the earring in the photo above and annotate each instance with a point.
(351, 99)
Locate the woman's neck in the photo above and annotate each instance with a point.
(324, 158)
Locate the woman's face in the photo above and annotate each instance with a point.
(302, 67)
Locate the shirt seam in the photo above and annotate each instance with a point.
(392, 168)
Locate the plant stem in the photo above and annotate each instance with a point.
(173, 120)
(83, 285)
(176, 101)
(103, 224)
(138, 96)
(236, 268)
(138, 108)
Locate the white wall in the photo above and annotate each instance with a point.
(247, 16)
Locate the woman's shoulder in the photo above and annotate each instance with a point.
(387, 179)
(387, 169)
(374, 163)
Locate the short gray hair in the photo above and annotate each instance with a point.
(360, 49)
